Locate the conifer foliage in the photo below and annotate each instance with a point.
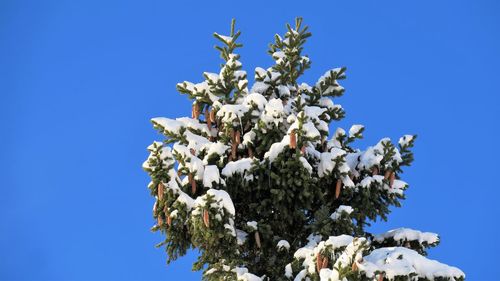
(255, 182)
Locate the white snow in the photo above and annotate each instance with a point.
(252, 224)
(231, 228)
(195, 141)
(255, 99)
(331, 88)
(211, 175)
(273, 112)
(231, 113)
(301, 275)
(165, 156)
(341, 210)
(168, 125)
(174, 213)
(239, 166)
(276, 148)
(338, 241)
(355, 129)
(284, 91)
(185, 199)
(369, 158)
(242, 274)
(248, 138)
(306, 164)
(173, 126)
(223, 199)
(327, 162)
(400, 261)
(213, 77)
(217, 148)
(408, 234)
(405, 140)
(241, 236)
(259, 87)
(288, 271)
(283, 244)
(314, 112)
(333, 142)
(260, 71)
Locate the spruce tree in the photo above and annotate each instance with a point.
(255, 182)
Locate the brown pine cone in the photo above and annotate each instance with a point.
(196, 110)
(206, 218)
(161, 191)
(207, 119)
(237, 137)
(324, 264)
(392, 178)
(212, 116)
(257, 239)
(387, 174)
(193, 184)
(319, 262)
(338, 186)
(293, 139)
(234, 148)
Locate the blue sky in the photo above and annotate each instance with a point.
(79, 81)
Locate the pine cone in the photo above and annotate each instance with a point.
(233, 135)
(237, 137)
(193, 152)
(392, 178)
(257, 239)
(169, 219)
(387, 174)
(234, 148)
(196, 110)
(293, 140)
(319, 262)
(250, 152)
(161, 191)
(303, 150)
(381, 277)
(193, 183)
(212, 116)
(324, 264)
(374, 170)
(160, 220)
(207, 119)
(338, 186)
(354, 266)
(206, 218)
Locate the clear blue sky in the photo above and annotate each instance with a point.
(79, 81)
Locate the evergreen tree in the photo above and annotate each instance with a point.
(253, 181)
